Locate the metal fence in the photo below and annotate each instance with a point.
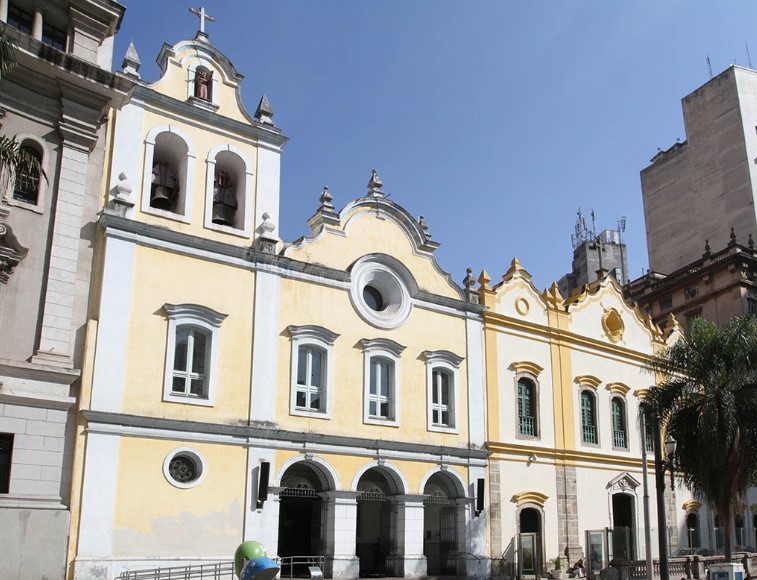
(291, 567)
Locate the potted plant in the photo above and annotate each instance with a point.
(556, 571)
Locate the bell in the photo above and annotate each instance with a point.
(223, 214)
(161, 197)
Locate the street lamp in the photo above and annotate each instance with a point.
(660, 466)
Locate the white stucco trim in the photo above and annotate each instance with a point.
(265, 349)
(399, 478)
(382, 348)
(192, 315)
(195, 456)
(113, 328)
(186, 213)
(376, 271)
(268, 187)
(477, 415)
(127, 152)
(449, 363)
(246, 207)
(98, 499)
(462, 486)
(327, 469)
(322, 339)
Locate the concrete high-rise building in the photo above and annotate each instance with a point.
(698, 189)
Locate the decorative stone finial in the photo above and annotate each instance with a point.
(553, 297)
(516, 270)
(707, 249)
(266, 241)
(733, 238)
(131, 63)
(469, 282)
(750, 242)
(264, 113)
(424, 226)
(326, 198)
(375, 184)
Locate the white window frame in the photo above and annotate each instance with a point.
(390, 350)
(245, 205)
(449, 362)
(145, 207)
(323, 339)
(202, 317)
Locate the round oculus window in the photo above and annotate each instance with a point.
(379, 294)
(184, 468)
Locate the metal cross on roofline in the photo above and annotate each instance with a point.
(203, 17)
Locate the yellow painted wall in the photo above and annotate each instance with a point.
(174, 84)
(203, 521)
(162, 277)
(368, 234)
(306, 303)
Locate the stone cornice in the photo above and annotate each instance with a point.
(271, 433)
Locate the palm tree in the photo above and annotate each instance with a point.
(13, 158)
(707, 399)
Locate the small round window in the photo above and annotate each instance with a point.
(373, 298)
(184, 468)
(380, 293)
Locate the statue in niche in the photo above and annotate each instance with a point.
(164, 188)
(224, 199)
(202, 83)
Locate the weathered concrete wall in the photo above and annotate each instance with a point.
(699, 189)
(34, 543)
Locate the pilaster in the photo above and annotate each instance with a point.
(406, 558)
(567, 512)
(340, 518)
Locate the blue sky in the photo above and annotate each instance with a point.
(495, 119)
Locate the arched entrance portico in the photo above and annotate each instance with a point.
(377, 539)
(442, 536)
(302, 514)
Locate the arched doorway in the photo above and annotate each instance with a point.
(440, 537)
(301, 513)
(530, 561)
(624, 526)
(376, 528)
(692, 530)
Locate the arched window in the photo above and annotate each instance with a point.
(190, 364)
(527, 421)
(442, 376)
(692, 530)
(312, 370)
(442, 398)
(310, 378)
(26, 186)
(619, 431)
(589, 418)
(230, 190)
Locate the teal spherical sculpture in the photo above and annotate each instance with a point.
(247, 551)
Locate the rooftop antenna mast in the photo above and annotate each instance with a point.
(748, 57)
(621, 229)
(709, 66)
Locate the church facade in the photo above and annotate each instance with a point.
(238, 387)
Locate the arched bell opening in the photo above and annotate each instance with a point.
(169, 173)
(229, 184)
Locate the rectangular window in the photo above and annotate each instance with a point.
(380, 394)
(666, 302)
(440, 399)
(54, 37)
(309, 378)
(6, 454)
(190, 362)
(526, 408)
(19, 19)
(691, 293)
(588, 419)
